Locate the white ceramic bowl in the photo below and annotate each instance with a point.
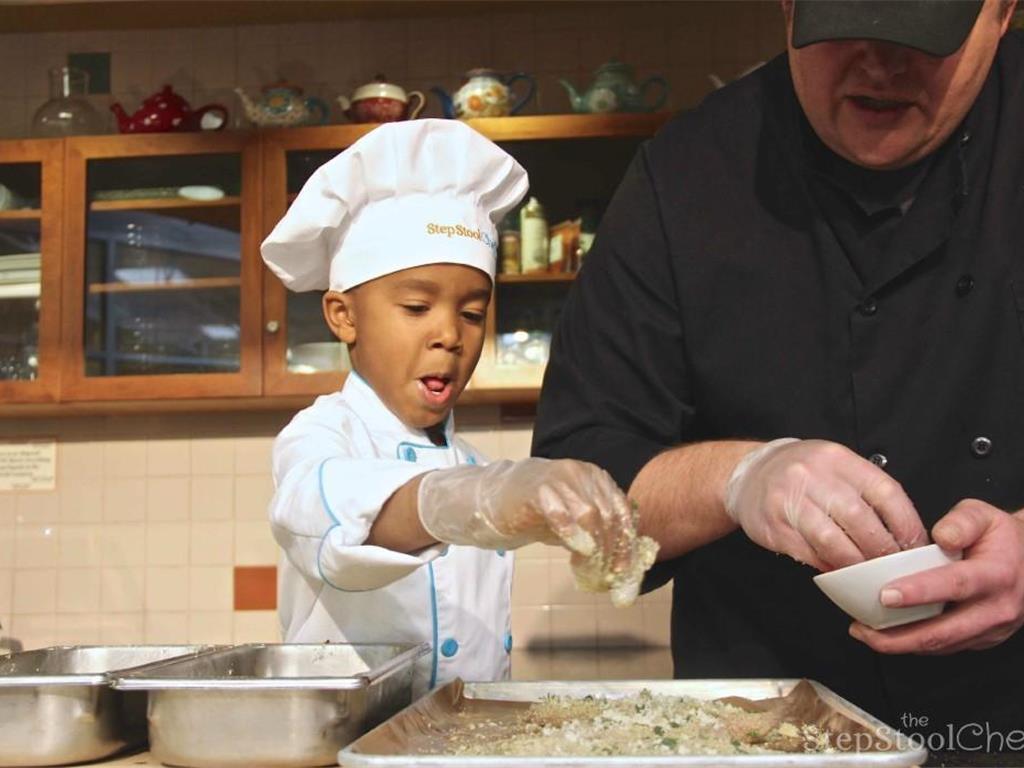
(855, 588)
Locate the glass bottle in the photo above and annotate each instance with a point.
(509, 238)
(68, 112)
(533, 237)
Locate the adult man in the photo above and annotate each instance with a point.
(831, 250)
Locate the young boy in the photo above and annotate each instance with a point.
(372, 483)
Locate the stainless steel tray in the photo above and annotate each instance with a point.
(272, 705)
(56, 706)
(904, 752)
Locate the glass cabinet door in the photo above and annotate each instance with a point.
(300, 354)
(162, 273)
(310, 345)
(29, 269)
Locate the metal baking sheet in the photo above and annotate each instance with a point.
(285, 705)
(376, 748)
(56, 706)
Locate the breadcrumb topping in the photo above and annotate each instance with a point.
(643, 724)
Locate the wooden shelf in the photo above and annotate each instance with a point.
(537, 277)
(20, 214)
(200, 283)
(224, 213)
(570, 126)
(290, 403)
(162, 203)
(519, 128)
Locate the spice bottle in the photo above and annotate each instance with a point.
(533, 237)
(510, 264)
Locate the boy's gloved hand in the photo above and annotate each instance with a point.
(508, 504)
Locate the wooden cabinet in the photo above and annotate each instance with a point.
(161, 267)
(300, 356)
(31, 183)
(151, 294)
(569, 157)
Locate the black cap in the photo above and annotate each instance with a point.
(936, 27)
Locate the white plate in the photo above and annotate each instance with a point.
(201, 192)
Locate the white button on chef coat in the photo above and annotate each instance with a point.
(335, 465)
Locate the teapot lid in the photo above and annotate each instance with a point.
(380, 88)
(166, 93)
(280, 85)
(482, 72)
(613, 65)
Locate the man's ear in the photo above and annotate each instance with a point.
(339, 312)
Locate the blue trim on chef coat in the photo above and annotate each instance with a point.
(323, 539)
(433, 613)
(409, 454)
(323, 494)
(508, 642)
(320, 569)
(406, 451)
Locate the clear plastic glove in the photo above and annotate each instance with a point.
(508, 504)
(821, 504)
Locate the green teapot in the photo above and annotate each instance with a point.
(614, 90)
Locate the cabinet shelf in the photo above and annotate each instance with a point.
(224, 213)
(161, 203)
(571, 126)
(518, 128)
(21, 214)
(537, 277)
(160, 358)
(199, 283)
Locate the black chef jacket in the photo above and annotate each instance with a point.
(718, 302)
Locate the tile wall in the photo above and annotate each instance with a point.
(157, 533)
(685, 41)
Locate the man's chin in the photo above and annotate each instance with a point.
(884, 156)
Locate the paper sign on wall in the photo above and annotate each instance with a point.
(30, 465)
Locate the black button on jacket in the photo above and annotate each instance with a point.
(718, 303)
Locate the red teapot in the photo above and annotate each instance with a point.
(167, 111)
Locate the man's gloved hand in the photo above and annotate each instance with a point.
(508, 504)
(821, 504)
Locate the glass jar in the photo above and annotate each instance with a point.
(509, 238)
(68, 112)
(533, 237)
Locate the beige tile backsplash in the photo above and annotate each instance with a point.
(125, 551)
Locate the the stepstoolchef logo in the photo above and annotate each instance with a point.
(457, 230)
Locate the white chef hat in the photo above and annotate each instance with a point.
(405, 195)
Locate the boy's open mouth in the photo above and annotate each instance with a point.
(436, 389)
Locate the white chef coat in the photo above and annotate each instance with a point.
(335, 465)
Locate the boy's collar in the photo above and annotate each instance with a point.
(358, 392)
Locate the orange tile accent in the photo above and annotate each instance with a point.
(255, 588)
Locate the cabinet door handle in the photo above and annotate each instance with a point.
(273, 326)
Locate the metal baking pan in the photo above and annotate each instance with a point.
(370, 752)
(56, 706)
(272, 705)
